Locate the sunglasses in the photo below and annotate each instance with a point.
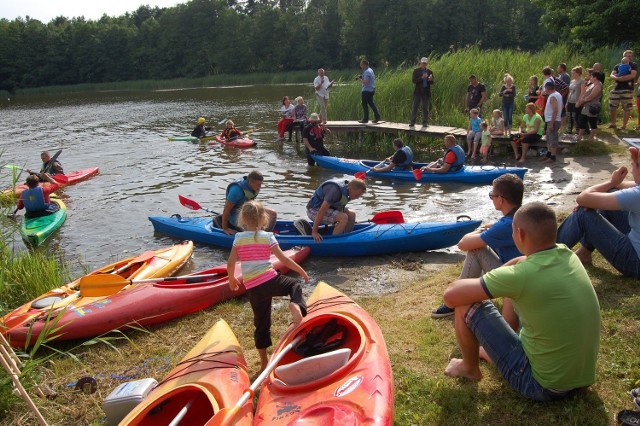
(492, 195)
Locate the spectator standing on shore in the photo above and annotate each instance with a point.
(532, 95)
(508, 95)
(322, 84)
(476, 95)
(589, 105)
(552, 118)
(422, 79)
(622, 93)
(575, 89)
(368, 81)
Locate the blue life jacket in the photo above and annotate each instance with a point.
(318, 196)
(249, 194)
(460, 157)
(33, 199)
(409, 154)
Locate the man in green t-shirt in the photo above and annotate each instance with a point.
(548, 297)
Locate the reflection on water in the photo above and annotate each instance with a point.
(142, 173)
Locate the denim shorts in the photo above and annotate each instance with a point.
(504, 348)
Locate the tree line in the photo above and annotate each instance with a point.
(208, 37)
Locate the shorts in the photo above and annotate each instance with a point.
(531, 138)
(474, 136)
(621, 97)
(505, 349)
(553, 139)
(484, 149)
(330, 216)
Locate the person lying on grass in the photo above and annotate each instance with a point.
(549, 348)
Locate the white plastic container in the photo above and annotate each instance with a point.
(125, 397)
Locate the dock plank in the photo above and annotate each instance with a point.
(395, 128)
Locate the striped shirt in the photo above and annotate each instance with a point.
(254, 252)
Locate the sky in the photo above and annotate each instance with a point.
(46, 10)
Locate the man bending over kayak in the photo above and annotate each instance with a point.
(35, 200)
(452, 161)
(328, 205)
(238, 193)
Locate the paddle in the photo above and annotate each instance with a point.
(363, 175)
(226, 415)
(99, 285)
(50, 163)
(417, 173)
(58, 178)
(193, 205)
(251, 131)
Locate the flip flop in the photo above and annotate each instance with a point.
(628, 418)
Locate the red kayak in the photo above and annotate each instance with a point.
(63, 180)
(116, 303)
(340, 374)
(240, 142)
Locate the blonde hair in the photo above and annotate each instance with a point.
(358, 184)
(230, 122)
(298, 99)
(253, 215)
(484, 124)
(508, 77)
(498, 111)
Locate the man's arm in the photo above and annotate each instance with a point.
(483, 97)
(465, 292)
(228, 206)
(472, 241)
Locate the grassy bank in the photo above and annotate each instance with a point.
(419, 348)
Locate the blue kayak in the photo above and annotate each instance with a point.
(468, 174)
(366, 238)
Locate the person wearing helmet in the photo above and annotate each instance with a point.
(200, 131)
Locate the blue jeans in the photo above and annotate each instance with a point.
(605, 231)
(504, 348)
(507, 114)
(367, 101)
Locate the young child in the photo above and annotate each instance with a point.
(200, 130)
(497, 123)
(485, 141)
(508, 94)
(623, 67)
(473, 133)
(230, 132)
(253, 248)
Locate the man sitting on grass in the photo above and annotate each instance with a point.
(558, 315)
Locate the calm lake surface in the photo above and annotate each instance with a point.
(142, 172)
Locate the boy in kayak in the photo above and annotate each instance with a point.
(328, 205)
(545, 343)
(230, 132)
(253, 249)
(401, 160)
(49, 167)
(200, 131)
(35, 200)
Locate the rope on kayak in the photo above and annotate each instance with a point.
(408, 227)
(204, 358)
(144, 369)
(330, 302)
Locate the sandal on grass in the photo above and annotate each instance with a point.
(628, 418)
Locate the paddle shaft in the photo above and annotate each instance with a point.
(51, 162)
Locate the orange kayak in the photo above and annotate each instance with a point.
(339, 375)
(151, 264)
(211, 377)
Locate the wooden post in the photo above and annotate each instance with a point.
(10, 362)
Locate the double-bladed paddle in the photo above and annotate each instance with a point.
(390, 216)
(363, 175)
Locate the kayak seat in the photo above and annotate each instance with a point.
(312, 368)
(45, 302)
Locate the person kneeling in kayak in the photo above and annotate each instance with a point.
(401, 160)
(230, 132)
(452, 161)
(238, 192)
(253, 248)
(35, 200)
(328, 205)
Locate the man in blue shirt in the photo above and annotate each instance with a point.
(368, 80)
(491, 246)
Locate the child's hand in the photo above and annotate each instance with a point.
(305, 276)
(234, 285)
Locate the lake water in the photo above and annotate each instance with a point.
(142, 172)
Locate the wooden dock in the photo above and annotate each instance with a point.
(395, 129)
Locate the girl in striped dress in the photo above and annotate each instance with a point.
(253, 249)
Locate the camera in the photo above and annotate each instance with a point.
(358, 77)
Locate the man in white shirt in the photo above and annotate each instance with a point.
(322, 85)
(552, 117)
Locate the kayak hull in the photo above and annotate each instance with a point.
(211, 377)
(468, 174)
(366, 239)
(35, 231)
(30, 317)
(142, 304)
(71, 179)
(357, 389)
(240, 143)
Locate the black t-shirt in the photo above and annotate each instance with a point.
(314, 134)
(475, 94)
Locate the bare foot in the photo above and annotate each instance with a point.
(296, 313)
(584, 255)
(484, 355)
(456, 368)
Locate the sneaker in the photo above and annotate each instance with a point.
(442, 311)
(412, 124)
(376, 121)
(363, 121)
(302, 226)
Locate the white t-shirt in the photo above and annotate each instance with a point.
(324, 88)
(548, 109)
